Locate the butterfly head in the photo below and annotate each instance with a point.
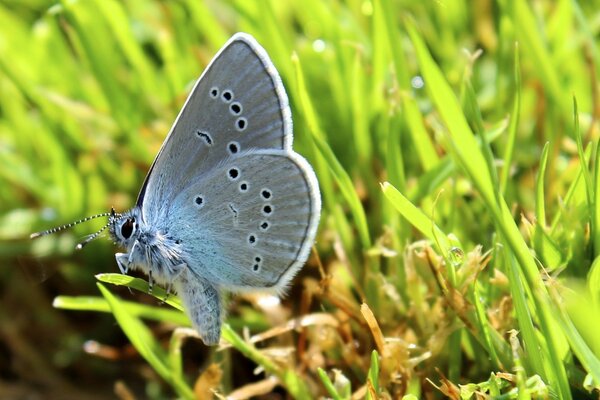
(124, 228)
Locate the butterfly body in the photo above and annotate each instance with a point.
(149, 249)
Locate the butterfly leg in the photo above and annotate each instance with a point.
(202, 303)
(123, 262)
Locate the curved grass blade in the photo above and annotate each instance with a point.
(141, 286)
(98, 304)
(141, 337)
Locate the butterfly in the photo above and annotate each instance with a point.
(227, 205)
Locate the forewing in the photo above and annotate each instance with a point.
(238, 103)
(250, 223)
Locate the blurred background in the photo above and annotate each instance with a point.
(88, 92)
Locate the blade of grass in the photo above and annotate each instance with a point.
(514, 123)
(373, 376)
(472, 108)
(98, 304)
(360, 111)
(144, 342)
(416, 217)
(587, 178)
(595, 204)
(540, 203)
(466, 147)
(394, 157)
(535, 351)
(580, 348)
(484, 325)
(329, 386)
(141, 286)
(545, 247)
(576, 186)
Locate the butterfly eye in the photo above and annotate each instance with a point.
(127, 228)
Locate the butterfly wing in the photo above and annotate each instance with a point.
(251, 221)
(238, 103)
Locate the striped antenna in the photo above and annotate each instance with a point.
(112, 215)
(67, 226)
(91, 237)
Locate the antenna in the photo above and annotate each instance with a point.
(91, 237)
(70, 225)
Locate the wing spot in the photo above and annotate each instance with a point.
(214, 92)
(234, 211)
(257, 263)
(233, 147)
(251, 240)
(267, 209)
(266, 194)
(233, 173)
(264, 225)
(206, 137)
(235, 108)
(241, 124)
(227, 96)
(199, 200)
(244, 187)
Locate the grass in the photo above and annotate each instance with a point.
(457, 250)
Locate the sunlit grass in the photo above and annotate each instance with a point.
(457, 248)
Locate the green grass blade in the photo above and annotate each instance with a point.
(587, 178)
(512, 129)
(141, 286)
(577, 185)
(540, 200)
(523, 312)
(373, 375)
(416, 217)
(360, 110)
(99, 304)
(595, 204)
(465, 145)
(484, 325)
(329, 386)
(145, 343)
